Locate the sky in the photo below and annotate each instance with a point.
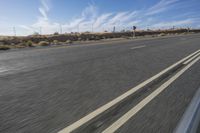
(25, 17)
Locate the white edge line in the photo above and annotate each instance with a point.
(103, 108)
(122, 120)
(137, 47)
(3, 70)
(189, 121)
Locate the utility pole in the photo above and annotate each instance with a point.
(40, 30)
(70, 30)
(92, 27)
(188, 29)
(14, 31)
(114, 29)
(60, 29)
(78, 28)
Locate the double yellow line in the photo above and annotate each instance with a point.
(187, 61)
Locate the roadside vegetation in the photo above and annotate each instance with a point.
(35, 40)
(4, 47)
(43, 43)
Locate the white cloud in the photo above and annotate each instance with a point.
(89, 12)
(44, 9)
(121, 20)
(26, 27)
(102, 19)
(90, 17)
(173, 23)
(130, 16)
(43, 13)
(117, 18)
(43, 23)
(161, 6)
(45, 5)
(82, 23)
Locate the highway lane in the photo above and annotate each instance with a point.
(45, 90)
(163, 113)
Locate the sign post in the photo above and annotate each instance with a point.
(134, 28)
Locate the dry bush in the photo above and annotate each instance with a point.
(68, 42)
(29, 44)
(56, 33)
(19, 46)
(162, 34)
(4, 47)
(55, 42)
(44, 43)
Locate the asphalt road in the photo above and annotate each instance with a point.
(47, 89)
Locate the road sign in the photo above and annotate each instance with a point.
(134, 28)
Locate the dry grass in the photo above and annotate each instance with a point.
(68, 42)
(4, 47)
(55, 42)
(7, 42)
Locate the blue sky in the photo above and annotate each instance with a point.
(47, 16)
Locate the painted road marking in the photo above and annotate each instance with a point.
(190, 119)
(186, 62)
(3, 70)
(122, 120)
(105, 107)
(138, 47)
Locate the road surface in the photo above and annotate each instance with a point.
(51, 90)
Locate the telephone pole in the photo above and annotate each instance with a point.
(78, 28)
(114, 29)
(40, 30)
(188, 29)
(60, 29)
(92, 27)
(14, 31)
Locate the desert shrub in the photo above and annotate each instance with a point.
(36, 34)
(104, 37)
(162, 34)
(20, 45)
(29, 44)
(69, 42)
(97, 38)
(126, 37)
(44, 43)
(55, 42)
(4, 47)
(56, 33)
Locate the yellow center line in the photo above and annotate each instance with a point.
(122, 120)
(105, 107)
